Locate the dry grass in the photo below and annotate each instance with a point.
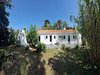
(53, 62)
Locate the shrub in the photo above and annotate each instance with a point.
(77, 47)
(27, 48)
(41, 48)
(6, 60)
(56, 48)
(17, 44)
(63, 47)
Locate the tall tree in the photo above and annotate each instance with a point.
(89, 23)
(47, 21)
(11, 39)
(59, 24)
(4, 22)
(47, 25)
(65, 25)
(32, 37)
(55, 27)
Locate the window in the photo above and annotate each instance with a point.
(62, 37)
(54, 37)
(75, 37)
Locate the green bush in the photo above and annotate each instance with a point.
(6, 59)
(27, 48)
(77, 47)
(63, 47)
(41, 48)
(17, 44)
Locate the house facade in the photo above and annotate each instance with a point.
(70, 38)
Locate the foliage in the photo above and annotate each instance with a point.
(65, 25)
(47, 21)
(11, 39)
(55, 27)
(17, 44)
(24, 29)
(32, 37)
(77, 47)
(63, 47)
(4, 22)
(27, 48)
(47, 25)
(59, 24)
(41, 48)
(6, 59)
(89, 26)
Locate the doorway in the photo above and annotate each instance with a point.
(69, 38)
(50, 38)
(39, 38)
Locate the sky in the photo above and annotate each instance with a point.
(27, 12)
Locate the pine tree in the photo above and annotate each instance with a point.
(4, 22)
(59, 24)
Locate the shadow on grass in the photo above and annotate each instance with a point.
(27, 63)
(69, 62)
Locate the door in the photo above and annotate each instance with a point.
(69, 38)
(50, 38)
(39, 38)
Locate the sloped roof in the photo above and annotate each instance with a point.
(57, 31)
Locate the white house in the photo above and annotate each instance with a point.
(55, 38)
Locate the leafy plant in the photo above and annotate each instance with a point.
(41, 48)
(63, 47)
(17, 44)
(32, 37)
(27, 48)
(77, 47)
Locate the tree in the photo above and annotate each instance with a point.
(11, 39)
(24, 29)
(47, 25)
(32, 37)
(89, 24)
(59, 24)
(17, 32)
(47, 21)
(65, 25)
(4, 22)
(55, 27)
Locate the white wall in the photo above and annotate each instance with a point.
(72, 43)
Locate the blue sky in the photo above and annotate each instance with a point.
(27, 12)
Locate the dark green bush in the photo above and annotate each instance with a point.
(17, 44)
(27, 48)
(63, 47)
(6, 60)
(41, 48)
(77, 47)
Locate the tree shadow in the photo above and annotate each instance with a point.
(27, 63)
(69, 62)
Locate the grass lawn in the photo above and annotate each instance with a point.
(53, 62)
